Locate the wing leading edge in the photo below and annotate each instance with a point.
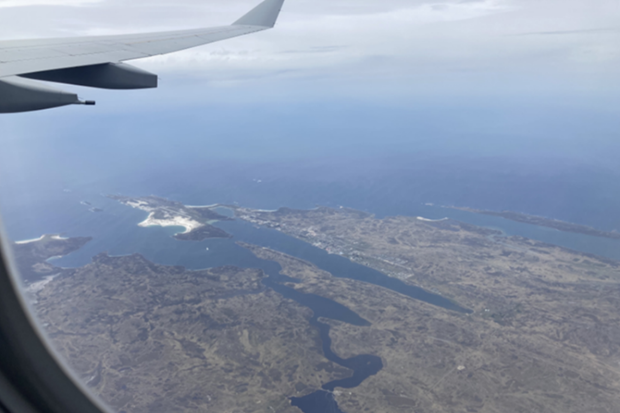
(61, 60)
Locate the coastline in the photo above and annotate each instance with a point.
(556, 224)
(431, 220)
(202, 206)
(37, 286)
(29, 241)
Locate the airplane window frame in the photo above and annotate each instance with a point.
(32, 378)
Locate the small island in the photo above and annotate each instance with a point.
(196, 220)
(90, 206)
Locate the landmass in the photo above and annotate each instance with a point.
(544, 335)
(31, 255)
(545, 222)
(162, 212)
(150, 338)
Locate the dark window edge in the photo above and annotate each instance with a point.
(32, 378)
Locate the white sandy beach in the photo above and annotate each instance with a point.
(28, 241)
(39, 285)
(139, 205)
(202, 206)
(431, 220)
(185, 222)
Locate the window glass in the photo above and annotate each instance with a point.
(397, 206)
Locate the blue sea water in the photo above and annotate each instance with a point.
(37, 200)
(547, 159)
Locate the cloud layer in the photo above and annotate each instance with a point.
(392, 46)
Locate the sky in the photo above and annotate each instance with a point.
(490, 64)
(390, 48)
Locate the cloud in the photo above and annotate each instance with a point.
(27, 3)
(388, 46)
(569, 32)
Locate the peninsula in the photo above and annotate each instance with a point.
(31, 256)
(544, 222)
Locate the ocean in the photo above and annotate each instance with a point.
(37, 202)
(387, 159)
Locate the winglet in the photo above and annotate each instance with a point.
(264, 15)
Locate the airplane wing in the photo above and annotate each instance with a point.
(97, 61)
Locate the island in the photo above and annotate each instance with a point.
(196, 220)
(90, 206)
(544, 222)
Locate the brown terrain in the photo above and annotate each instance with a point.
(149, 338)
(544, 337)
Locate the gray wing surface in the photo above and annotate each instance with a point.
(31, 56)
